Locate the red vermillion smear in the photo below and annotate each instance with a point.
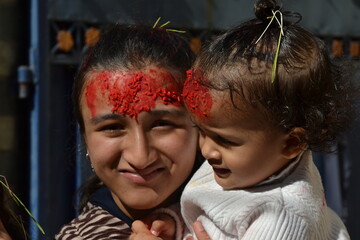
(131, 93)
(196, 96)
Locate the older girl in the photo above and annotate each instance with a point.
(139, 138)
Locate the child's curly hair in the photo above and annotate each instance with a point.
(309, 91)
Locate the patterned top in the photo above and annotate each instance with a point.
(100, 219)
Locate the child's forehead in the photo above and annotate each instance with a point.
(227, 105)
(231, 110)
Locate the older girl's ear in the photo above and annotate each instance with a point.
(294, 143)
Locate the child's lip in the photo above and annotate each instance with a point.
(221, 172)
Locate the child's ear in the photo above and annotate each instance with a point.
(294, 143)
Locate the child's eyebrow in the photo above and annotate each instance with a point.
(104, 117)
(212, 133)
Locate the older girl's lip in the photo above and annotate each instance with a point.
(141, 178)
(221, 172)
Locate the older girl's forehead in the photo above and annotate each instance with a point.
(130, 93)
(159, 111)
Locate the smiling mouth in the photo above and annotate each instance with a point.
(221, 172)
(141, 178)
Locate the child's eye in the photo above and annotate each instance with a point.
(224, 141)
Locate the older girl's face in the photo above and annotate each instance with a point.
(142, 147)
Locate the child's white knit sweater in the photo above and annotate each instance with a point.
(290, 205)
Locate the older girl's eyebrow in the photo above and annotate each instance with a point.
(110, 116)
(115, 116)
(172, 112)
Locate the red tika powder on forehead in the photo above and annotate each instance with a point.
(196, 96)
(131, 93)
(90, 93)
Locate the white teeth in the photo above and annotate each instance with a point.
(135, 174)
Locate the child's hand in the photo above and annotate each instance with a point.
(140, 231)
(200, 232)
(161, 225)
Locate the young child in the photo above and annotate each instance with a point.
(264, 95)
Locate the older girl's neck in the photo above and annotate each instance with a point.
(136, 214)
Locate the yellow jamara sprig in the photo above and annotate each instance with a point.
(280, 22)
(20, 203)
(167, 29)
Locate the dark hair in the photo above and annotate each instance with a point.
(130, 47)
(133, 47)
(11, 220)
(309, 89)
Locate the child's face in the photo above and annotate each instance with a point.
(143, 160)
(241, 150)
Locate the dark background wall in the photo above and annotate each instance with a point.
(40, 152)
(13, 111)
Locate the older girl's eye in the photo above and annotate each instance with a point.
(112, 128)
(162, 123)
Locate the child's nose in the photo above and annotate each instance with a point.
(209, 148)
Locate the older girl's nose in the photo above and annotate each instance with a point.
(139, 151)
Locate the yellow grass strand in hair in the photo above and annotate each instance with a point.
(157, 21)
(271, 20)
(280, 23)
(167, 29)
(20, 203)
(274, 67)
(175, 30)
(165, 24)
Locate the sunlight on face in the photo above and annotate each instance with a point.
(143, 160)
(241, 149)
(130, 93)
